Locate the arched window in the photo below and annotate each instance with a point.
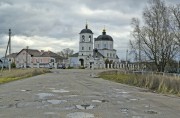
(83, 38)
(104, 45)
(89, 38)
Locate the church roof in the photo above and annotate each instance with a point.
(86, 30)
(104, 37)
(96, 53)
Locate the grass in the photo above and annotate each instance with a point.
(16, 74)
(158, 83)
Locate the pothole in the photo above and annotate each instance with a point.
(49, 113)
(85, 106)
(25, 90)
(3, 106)
(56, 101)
(137, 117)
(60, 91)
(100, 101)
(17, 100)
(80, 115)
(133, 99)
(151, 112)
(124, 110)
(44, 95)
(28, 104)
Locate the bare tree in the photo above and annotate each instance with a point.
(176, 21)
(155, 38)
(66, 52)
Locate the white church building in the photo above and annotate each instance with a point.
(94, 53)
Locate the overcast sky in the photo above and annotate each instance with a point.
(55, 24)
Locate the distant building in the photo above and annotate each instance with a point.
(36, 58)
(100, 54)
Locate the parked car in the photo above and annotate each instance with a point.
(61, 66)
(4, 63)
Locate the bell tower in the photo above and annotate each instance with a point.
(85, 45)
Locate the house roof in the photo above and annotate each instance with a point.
(37, 53)
(13, 55)
(32, 52)
(51, 54)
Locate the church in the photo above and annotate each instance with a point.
(94, 53)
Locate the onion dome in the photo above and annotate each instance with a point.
(104, 37)
(86, 30)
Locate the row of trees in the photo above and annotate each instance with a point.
(158, 38)
(65, 53)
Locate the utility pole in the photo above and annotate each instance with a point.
(9, 48)
(26, 57)
(126, 59)
(139, 46)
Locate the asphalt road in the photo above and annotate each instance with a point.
(78, 94)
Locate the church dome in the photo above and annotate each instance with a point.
(104, 37)
(86, 30)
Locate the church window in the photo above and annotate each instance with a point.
(83, 38)
(90, 38)
(82, 48)
(104, 45)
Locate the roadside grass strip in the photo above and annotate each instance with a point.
(16, 74)
(156, 83)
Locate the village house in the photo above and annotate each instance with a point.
(35, 58)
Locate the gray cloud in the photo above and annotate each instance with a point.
(57, 21)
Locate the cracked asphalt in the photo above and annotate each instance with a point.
(78, 94)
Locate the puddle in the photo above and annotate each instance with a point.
(80, 115)
(17, 100)
(56, 101)
(44, 95)
(124, 110)
(123, 92)
(3, 106)
(151, 112)
(137, 117)
(98, 101)
(70, 108)
(49, 113)
(60, 91)
(72, 95)
(52, 88)
(85, 106)
(25, 90)
(133, 99)
(28, 104)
